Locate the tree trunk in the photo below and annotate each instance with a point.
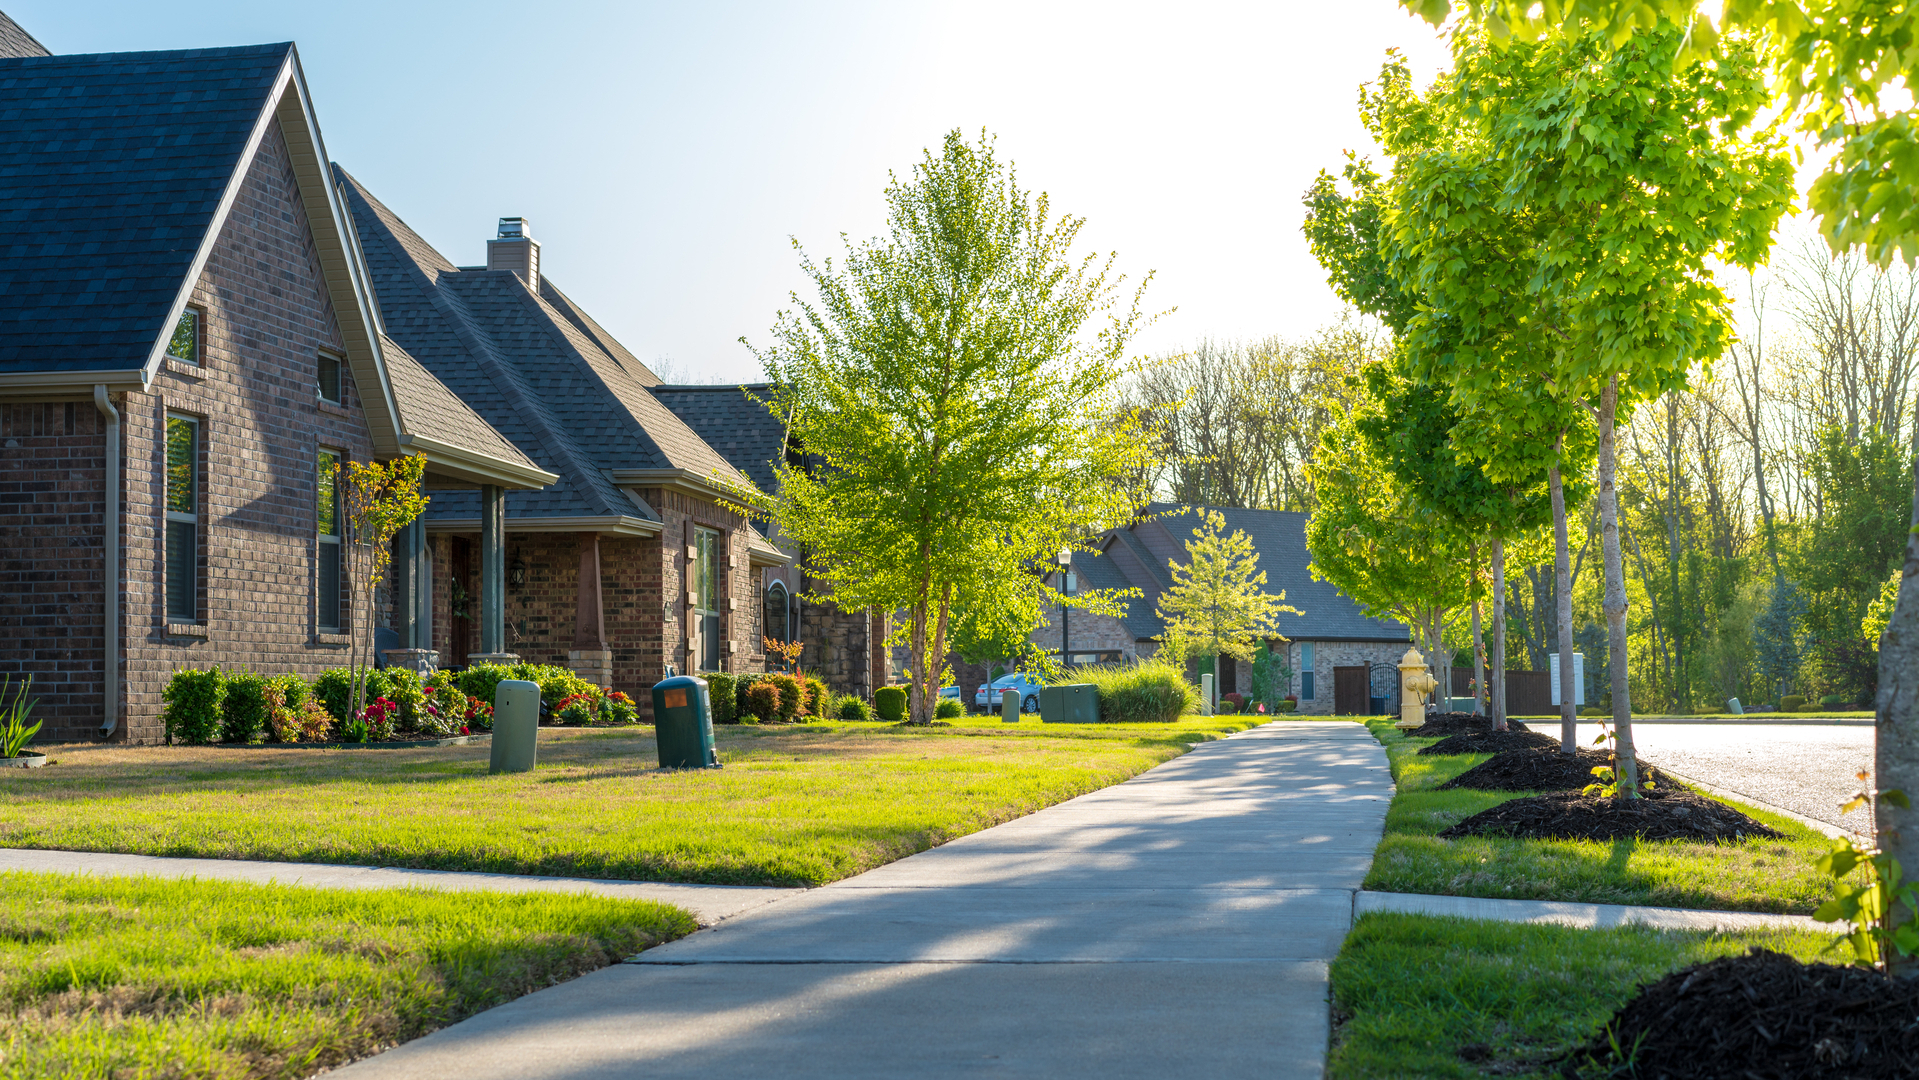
(1896, 757)
(1563, 582)
(918, 709)
(1498, 684)
(1627, 770)
(1479, 643)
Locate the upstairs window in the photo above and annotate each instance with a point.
(183, 519)
(1306, 671)
(326, 604)
(185, 346)
(330, 378)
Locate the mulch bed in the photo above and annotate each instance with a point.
(1440, 725)
(1544, 769)
(1762, 1016)
(1490, 742)
(1655, 815)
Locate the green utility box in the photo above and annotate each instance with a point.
(516, 726)
(1073, 703)
(683, 724)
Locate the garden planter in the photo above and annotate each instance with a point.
(27, 760)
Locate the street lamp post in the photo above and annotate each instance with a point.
(1066, 589)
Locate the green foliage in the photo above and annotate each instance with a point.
(244, 713)
(195, 703)
(789, 690)
(852, 708)
(556, 683)
(723, 691)
(481, 680)
(292, 714)
(1879, 612)
(404, 689)
(761, 702)
(818, 698)
(14, 732)
(1867, 903)
(1776, 638)
(1152, 691)
(334, 689)
(1218, 602)
(378, 499)
(1792, 703)
(890, 703)
(948, 709)
(954, 386)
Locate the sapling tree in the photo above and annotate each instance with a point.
(378, 500)
(1218, 604)
(1631, 177)
(954, 388)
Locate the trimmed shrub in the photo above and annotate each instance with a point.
(1792, 703)
(196, 705)
(1236, 699)
(890, 703)
(403, 689)
(819, 700)
(789, 691)
(480, 680)
(761, 702)
(1226, 707)
(1830, 701)
(852, 708)
(1151, 691)
(335, 686)
(555, 682)
(244, 715)
(724, 691)
(947, 708)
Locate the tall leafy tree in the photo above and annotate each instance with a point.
(1633, 176)
(953, 387)
(1218, 604)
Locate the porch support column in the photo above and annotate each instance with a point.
(493, 578)
(411, 618)
(590, 658)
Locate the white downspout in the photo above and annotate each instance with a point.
(110, 550)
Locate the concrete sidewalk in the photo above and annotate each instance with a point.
(1178, 924)
(707, 903)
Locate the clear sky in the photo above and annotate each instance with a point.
(665, 153)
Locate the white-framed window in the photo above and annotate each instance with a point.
(1306, 671)
(706, 602)
(183, 519)
(329, 378)
(327, 522)
(185, 345)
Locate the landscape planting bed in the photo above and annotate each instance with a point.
(1655, 815)
(1544, 769)
(1488, 742)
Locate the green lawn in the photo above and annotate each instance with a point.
(125, 977)
(1410, 992)
(1757, 875)
(794, 805)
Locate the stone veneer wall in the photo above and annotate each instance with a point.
(266, 318)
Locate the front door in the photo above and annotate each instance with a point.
(1350, 691)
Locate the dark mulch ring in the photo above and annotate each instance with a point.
(1655, 815)
(1762, 1016)
(1490, 742)
(1543, 769)
(1440, 725)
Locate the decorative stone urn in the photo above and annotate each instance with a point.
(1414, 684)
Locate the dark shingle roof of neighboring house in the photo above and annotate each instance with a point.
(1279, 537)
(17, 42)
(537, 369)
(741, 429)
(111, 169)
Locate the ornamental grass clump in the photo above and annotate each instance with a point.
(852, 708)
(14, 732)
(948, 709)
(195, 705)
(1149, 692)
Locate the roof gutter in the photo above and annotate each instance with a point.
(54, 383)
(464, 464)
(110, 551)
(616, 525)
(706, 487)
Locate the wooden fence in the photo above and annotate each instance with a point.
(1528, 693)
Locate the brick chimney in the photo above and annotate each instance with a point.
(515, 250)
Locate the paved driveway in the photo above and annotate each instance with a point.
(1179, 924)
(1806, 768)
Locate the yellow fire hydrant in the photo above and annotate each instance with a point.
(1414, 684)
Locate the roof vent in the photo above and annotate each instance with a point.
(515, 250)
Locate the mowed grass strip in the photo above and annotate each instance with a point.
(1415, 995)
(1756, 875)
(146, 977)
(797, 805)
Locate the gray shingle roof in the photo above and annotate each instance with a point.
(1279, 536)
(15, 41)
(111, 168)
(731, 422)
(428, 407)
(533, 366)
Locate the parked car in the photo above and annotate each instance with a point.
(950, 691)
(987, 697)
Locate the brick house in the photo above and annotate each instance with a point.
(190, 339)
(633, 560)
(1340, 656)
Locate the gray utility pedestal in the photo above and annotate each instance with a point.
(1009, 706)
(1074, 703)
(516, 726)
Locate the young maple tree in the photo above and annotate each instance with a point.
(1218, 604)
(953, 391)
(378, 500)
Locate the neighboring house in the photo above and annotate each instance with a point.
(1340, 655)
(632, 561)
(188, 336)
(848, 649)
